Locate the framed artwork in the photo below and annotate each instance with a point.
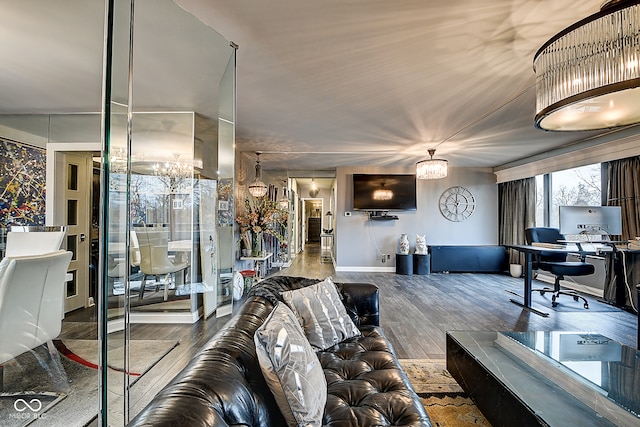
(22, 184)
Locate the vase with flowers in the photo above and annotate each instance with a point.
(260, 215)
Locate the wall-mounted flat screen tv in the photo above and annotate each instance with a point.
(377, 192)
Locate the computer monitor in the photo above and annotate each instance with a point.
(591, 220)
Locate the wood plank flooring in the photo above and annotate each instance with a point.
(416, 312)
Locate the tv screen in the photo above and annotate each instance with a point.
(377, 192)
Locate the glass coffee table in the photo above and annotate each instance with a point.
(555, 378)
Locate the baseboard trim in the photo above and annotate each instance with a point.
(366, 269)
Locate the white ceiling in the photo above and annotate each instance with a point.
(330, 83)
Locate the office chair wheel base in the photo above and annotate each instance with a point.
(553, 301)
(575, 298)
(586, 305)
(542, 293)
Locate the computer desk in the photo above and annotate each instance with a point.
(531, 251)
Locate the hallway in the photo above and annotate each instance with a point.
(307, 264)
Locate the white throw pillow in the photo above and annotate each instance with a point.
(291, 368)
(321, 313)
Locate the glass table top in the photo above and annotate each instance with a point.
(607, 366)
(564, 377)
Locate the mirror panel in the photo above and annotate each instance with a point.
(164, 242)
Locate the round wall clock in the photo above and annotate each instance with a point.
(457, 204)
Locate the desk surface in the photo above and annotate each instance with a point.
(569, 248)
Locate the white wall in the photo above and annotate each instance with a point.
(360, 242)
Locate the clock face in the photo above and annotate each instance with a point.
(457, 204)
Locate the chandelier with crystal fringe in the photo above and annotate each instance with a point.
(588, 75)
(431, 168)
(284, 200)
(257, 188)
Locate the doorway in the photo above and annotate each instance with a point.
(71, 202)
(313, 208)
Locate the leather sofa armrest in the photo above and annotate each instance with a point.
(362, 302)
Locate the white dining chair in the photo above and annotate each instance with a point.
(33, 242)
(154, 258)
(32, 294)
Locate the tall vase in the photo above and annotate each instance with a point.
(256, 243)
(404, 244)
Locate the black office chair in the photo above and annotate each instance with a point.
(556, 263)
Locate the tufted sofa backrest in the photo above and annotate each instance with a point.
(223, 384)
(361, 300)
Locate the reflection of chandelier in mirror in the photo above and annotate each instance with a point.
(174, 174)
(118, 160)
(176, 170)
(258, 188)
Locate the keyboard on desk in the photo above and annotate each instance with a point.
(548, 245)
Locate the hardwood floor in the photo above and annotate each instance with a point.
(416, 312)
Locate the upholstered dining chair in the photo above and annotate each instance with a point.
(117, 268)
(154, 258)
(31, 303)
(556, 263)
(33, 242)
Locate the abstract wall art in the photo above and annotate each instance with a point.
(22, 184)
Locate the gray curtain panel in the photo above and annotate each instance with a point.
(624, 191)
(517, 212)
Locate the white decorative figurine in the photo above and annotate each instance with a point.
(421, 244)
(404, 244)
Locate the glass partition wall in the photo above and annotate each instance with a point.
(168, 151)
(154, 161)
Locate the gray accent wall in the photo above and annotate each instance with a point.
(360, 242)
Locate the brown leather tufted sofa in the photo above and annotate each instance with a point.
(223, 384)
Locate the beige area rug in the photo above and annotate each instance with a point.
(445, 401)
(144, 354)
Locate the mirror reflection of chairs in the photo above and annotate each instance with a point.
(32, 294)
(155, 260)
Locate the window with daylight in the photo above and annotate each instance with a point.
(575, 187)
(580, 186)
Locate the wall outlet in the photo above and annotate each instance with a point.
(347, 213)
(384, 258)
(388, 257)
